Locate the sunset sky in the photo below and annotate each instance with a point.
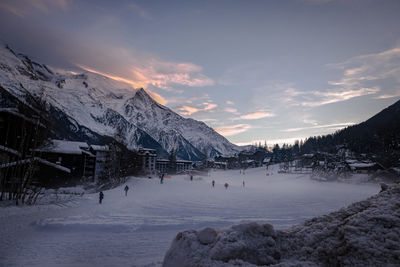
(274, 70)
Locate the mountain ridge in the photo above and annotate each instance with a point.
(109, 108)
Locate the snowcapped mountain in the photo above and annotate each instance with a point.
(87, 105)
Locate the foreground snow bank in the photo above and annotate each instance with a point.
(366, 233)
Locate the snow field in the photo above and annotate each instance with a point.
(137, 230)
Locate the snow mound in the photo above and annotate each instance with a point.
(366, 233)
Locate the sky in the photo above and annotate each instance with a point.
(255, 71)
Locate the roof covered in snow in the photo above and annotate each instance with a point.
(37, 159)
(63, 147)
(99, 148)
(10, 150)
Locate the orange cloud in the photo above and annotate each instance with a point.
(232, 129)
(209, 106)
(134, 84)
(188, 110)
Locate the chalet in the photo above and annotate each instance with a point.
(363, 166)
(71, 154)
(18, 134)
(43, 173)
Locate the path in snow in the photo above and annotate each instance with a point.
(138, 229)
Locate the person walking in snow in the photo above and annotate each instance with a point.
(162, 178)
(101, 196)
(126, 190)
(226, 185)
(243, 183)
(213, 183)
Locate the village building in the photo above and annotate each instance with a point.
(162, 165)
(70, 154)
(102, 155)
(363, 166)
(147, 160)
(183, 165)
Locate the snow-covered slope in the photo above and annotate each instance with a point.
(111, 108)
(366, 233)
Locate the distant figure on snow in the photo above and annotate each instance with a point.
(101, 196)
(162, 178)
(191, 177)
(226, 185)
(126, 190)
(243, 183)
(213, 183)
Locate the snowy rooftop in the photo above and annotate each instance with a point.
(362, 165)
(43, 161)
(64, 147)
(99, 148)
(10, 150)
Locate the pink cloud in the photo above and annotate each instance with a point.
(231, 110)
(233, 129)
(257, 115)
(188, 110)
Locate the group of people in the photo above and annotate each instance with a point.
(126, 189)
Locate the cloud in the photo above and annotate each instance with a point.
(209, 106)
(335, 126)
(371, 74)
(257, 115)
(363, 73)
(106, 54)
(232, 129)
(231, 110)
(209, 120)
(229, 102)
(22, 8)
(164, 74)
(329, 97)
(134, 84)
(388, 96)
(189, 110)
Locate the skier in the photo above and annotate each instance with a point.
(226, 185)
(191, 177)
(162, 178)
(243, 183)
(213, 183)
(126, 190)
(101, 196)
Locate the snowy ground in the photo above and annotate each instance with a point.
(138, 229)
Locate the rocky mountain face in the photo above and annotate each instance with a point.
(91, 107)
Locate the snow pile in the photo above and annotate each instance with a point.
(366, 233)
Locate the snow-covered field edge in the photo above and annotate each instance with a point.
(366, 233)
